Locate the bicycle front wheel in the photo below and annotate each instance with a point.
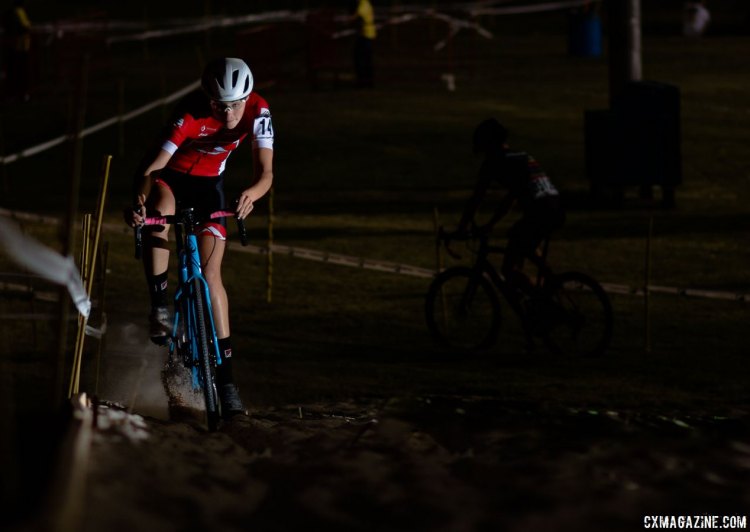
(206, 364)
(462, 310)
(578, 318)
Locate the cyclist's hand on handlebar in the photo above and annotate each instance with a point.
(135, 215)
(244, 205)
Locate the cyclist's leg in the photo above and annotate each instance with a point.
(212, 248)
(212, 244)
(208, 196)
(522, 240)
(161, 201)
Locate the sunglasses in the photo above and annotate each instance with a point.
(227, 106)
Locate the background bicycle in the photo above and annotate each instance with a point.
(569, 312)
(193, 339)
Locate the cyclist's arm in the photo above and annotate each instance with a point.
(502, 209)
(142, 183)
(159, 162)
(263, 169)
(472, 204)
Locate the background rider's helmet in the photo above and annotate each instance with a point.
(227, 79)
(489, 135)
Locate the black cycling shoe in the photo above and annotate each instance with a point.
(231, 404)
(159, 325)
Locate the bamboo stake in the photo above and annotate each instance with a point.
(121, 113)
(80, 333)
(438, 246)
(88, 267)
(646, 287)
(102, 342)
(439, 261)
(269, 254)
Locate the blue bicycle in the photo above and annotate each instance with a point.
(193, 338)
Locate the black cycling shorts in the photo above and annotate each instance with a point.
(204, 194)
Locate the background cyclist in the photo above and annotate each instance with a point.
(526, 184)
(185, 169)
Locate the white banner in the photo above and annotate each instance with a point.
(44, 262)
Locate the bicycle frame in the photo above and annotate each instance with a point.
(193, 330)
(189, 271)
(483, 265)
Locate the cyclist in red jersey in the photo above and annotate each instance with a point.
(186, 169)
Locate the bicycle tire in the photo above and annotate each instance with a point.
(205, 363)
(576, 316)
(462, 310)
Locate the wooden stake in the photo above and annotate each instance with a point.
(88, 268)
(121, 113)
(269, 254)
(646, 287)
(439, 260)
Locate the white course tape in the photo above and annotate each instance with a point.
(530, 8)
(192, 26)
(186, 26)
(28, 152)
(402, 269)
(44, 262)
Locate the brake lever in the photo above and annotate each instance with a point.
(138, 236)
(242, 230)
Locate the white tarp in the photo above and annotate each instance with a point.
(44, 262)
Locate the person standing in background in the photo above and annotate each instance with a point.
(364, 17)
(695, 19)
(17, 52)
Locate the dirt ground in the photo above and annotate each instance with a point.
(429, 463)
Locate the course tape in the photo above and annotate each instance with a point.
(176, 27)
(401, 269)
(212, 22)
(44, 262)
(529, 8)
(28, 152)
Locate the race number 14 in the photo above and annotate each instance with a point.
(263, 128)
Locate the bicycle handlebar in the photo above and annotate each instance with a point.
(177, 218)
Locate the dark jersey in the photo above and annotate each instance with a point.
(521, 175)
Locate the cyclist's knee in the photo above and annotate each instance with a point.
(213, 278)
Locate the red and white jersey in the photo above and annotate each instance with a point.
(199, 143)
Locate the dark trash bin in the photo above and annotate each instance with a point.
(637, 142)
(584, 34)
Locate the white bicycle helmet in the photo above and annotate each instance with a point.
(227, 79)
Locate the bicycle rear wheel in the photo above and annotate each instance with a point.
(206, 364)
(462, 310)
(577, 317)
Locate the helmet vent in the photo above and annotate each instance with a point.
(227, 79)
